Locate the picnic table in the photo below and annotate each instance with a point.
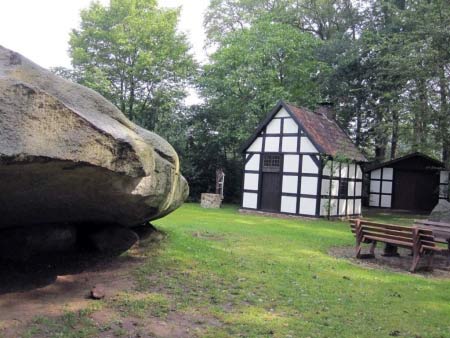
(441, 231)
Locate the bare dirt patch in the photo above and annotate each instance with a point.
(401, 263)
(52, 289)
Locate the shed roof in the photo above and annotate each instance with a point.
(420, 156)
(328, 137)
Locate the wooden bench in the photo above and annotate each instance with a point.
(419, 240)
(441, 230)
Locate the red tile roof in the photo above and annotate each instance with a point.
(325, 133)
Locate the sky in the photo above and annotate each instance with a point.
(39, 29)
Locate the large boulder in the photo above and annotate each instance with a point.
(68, 156)
(441, 212)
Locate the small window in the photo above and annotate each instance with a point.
(271, 163)
(343, 187)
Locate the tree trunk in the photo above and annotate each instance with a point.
(419, 134)
(444, 123)
(394, 136)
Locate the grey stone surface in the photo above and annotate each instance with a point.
(441, 212)
(211, 201)
(112, 240)
(21, 243)
(68, 156)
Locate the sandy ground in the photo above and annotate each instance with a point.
(48, 286)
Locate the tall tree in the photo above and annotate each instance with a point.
(131, 52)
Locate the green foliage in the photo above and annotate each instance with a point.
(131, 52)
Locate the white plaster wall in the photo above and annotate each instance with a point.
(282, 113)
(385, 201)
(309, 185)
(327, 168)
(290, 127)
(253, 163)
(357, 207)
(344, 170)
(351, 171)
(325, 189)
(326, 204)
(334, 206)
(350, 207)
(359, 173)
(250, 200)
(358, 189)
(289, 144)
(351, 188)
(308, 206)
(256, 145)
(289, 204)
(335, 169)
(274, 127)
(342, 207)
(386, 187)
(272, 144)
(306, 146)
(374, 200)
(334, 187)
(323, 207)
(443, 191)
(376, 174)
(291, 163)
(309, 166)
(251, 181)
(374, 186)
(290, 184)
(444, 177)
(388, 173)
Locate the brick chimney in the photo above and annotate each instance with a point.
(326, 109)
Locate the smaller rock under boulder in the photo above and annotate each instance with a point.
(112, 240)
(441, 212)
(21, 243)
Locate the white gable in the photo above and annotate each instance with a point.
(274, 127)
(306, 146)
(256, 145)
(253, 163)
(290, 127)
(282, 113)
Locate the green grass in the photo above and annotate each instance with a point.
(255, 276)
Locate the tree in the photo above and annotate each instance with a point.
(131, 52)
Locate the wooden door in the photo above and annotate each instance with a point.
(271, 183)
(415, 190)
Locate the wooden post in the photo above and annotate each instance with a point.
(358, 236)
(415, 249)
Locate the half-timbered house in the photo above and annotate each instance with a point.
(301, 162)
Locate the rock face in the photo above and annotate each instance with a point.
(441, 212)
(68, 156)
(211, 201)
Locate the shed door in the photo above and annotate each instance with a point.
(415, 190)
(271, 183)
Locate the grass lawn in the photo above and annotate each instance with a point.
(233, 275)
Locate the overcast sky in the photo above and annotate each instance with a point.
(39, 29)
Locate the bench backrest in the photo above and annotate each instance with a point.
(390, 233)
(440, 230)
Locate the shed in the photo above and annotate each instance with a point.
(300, 162)
(414, 182)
